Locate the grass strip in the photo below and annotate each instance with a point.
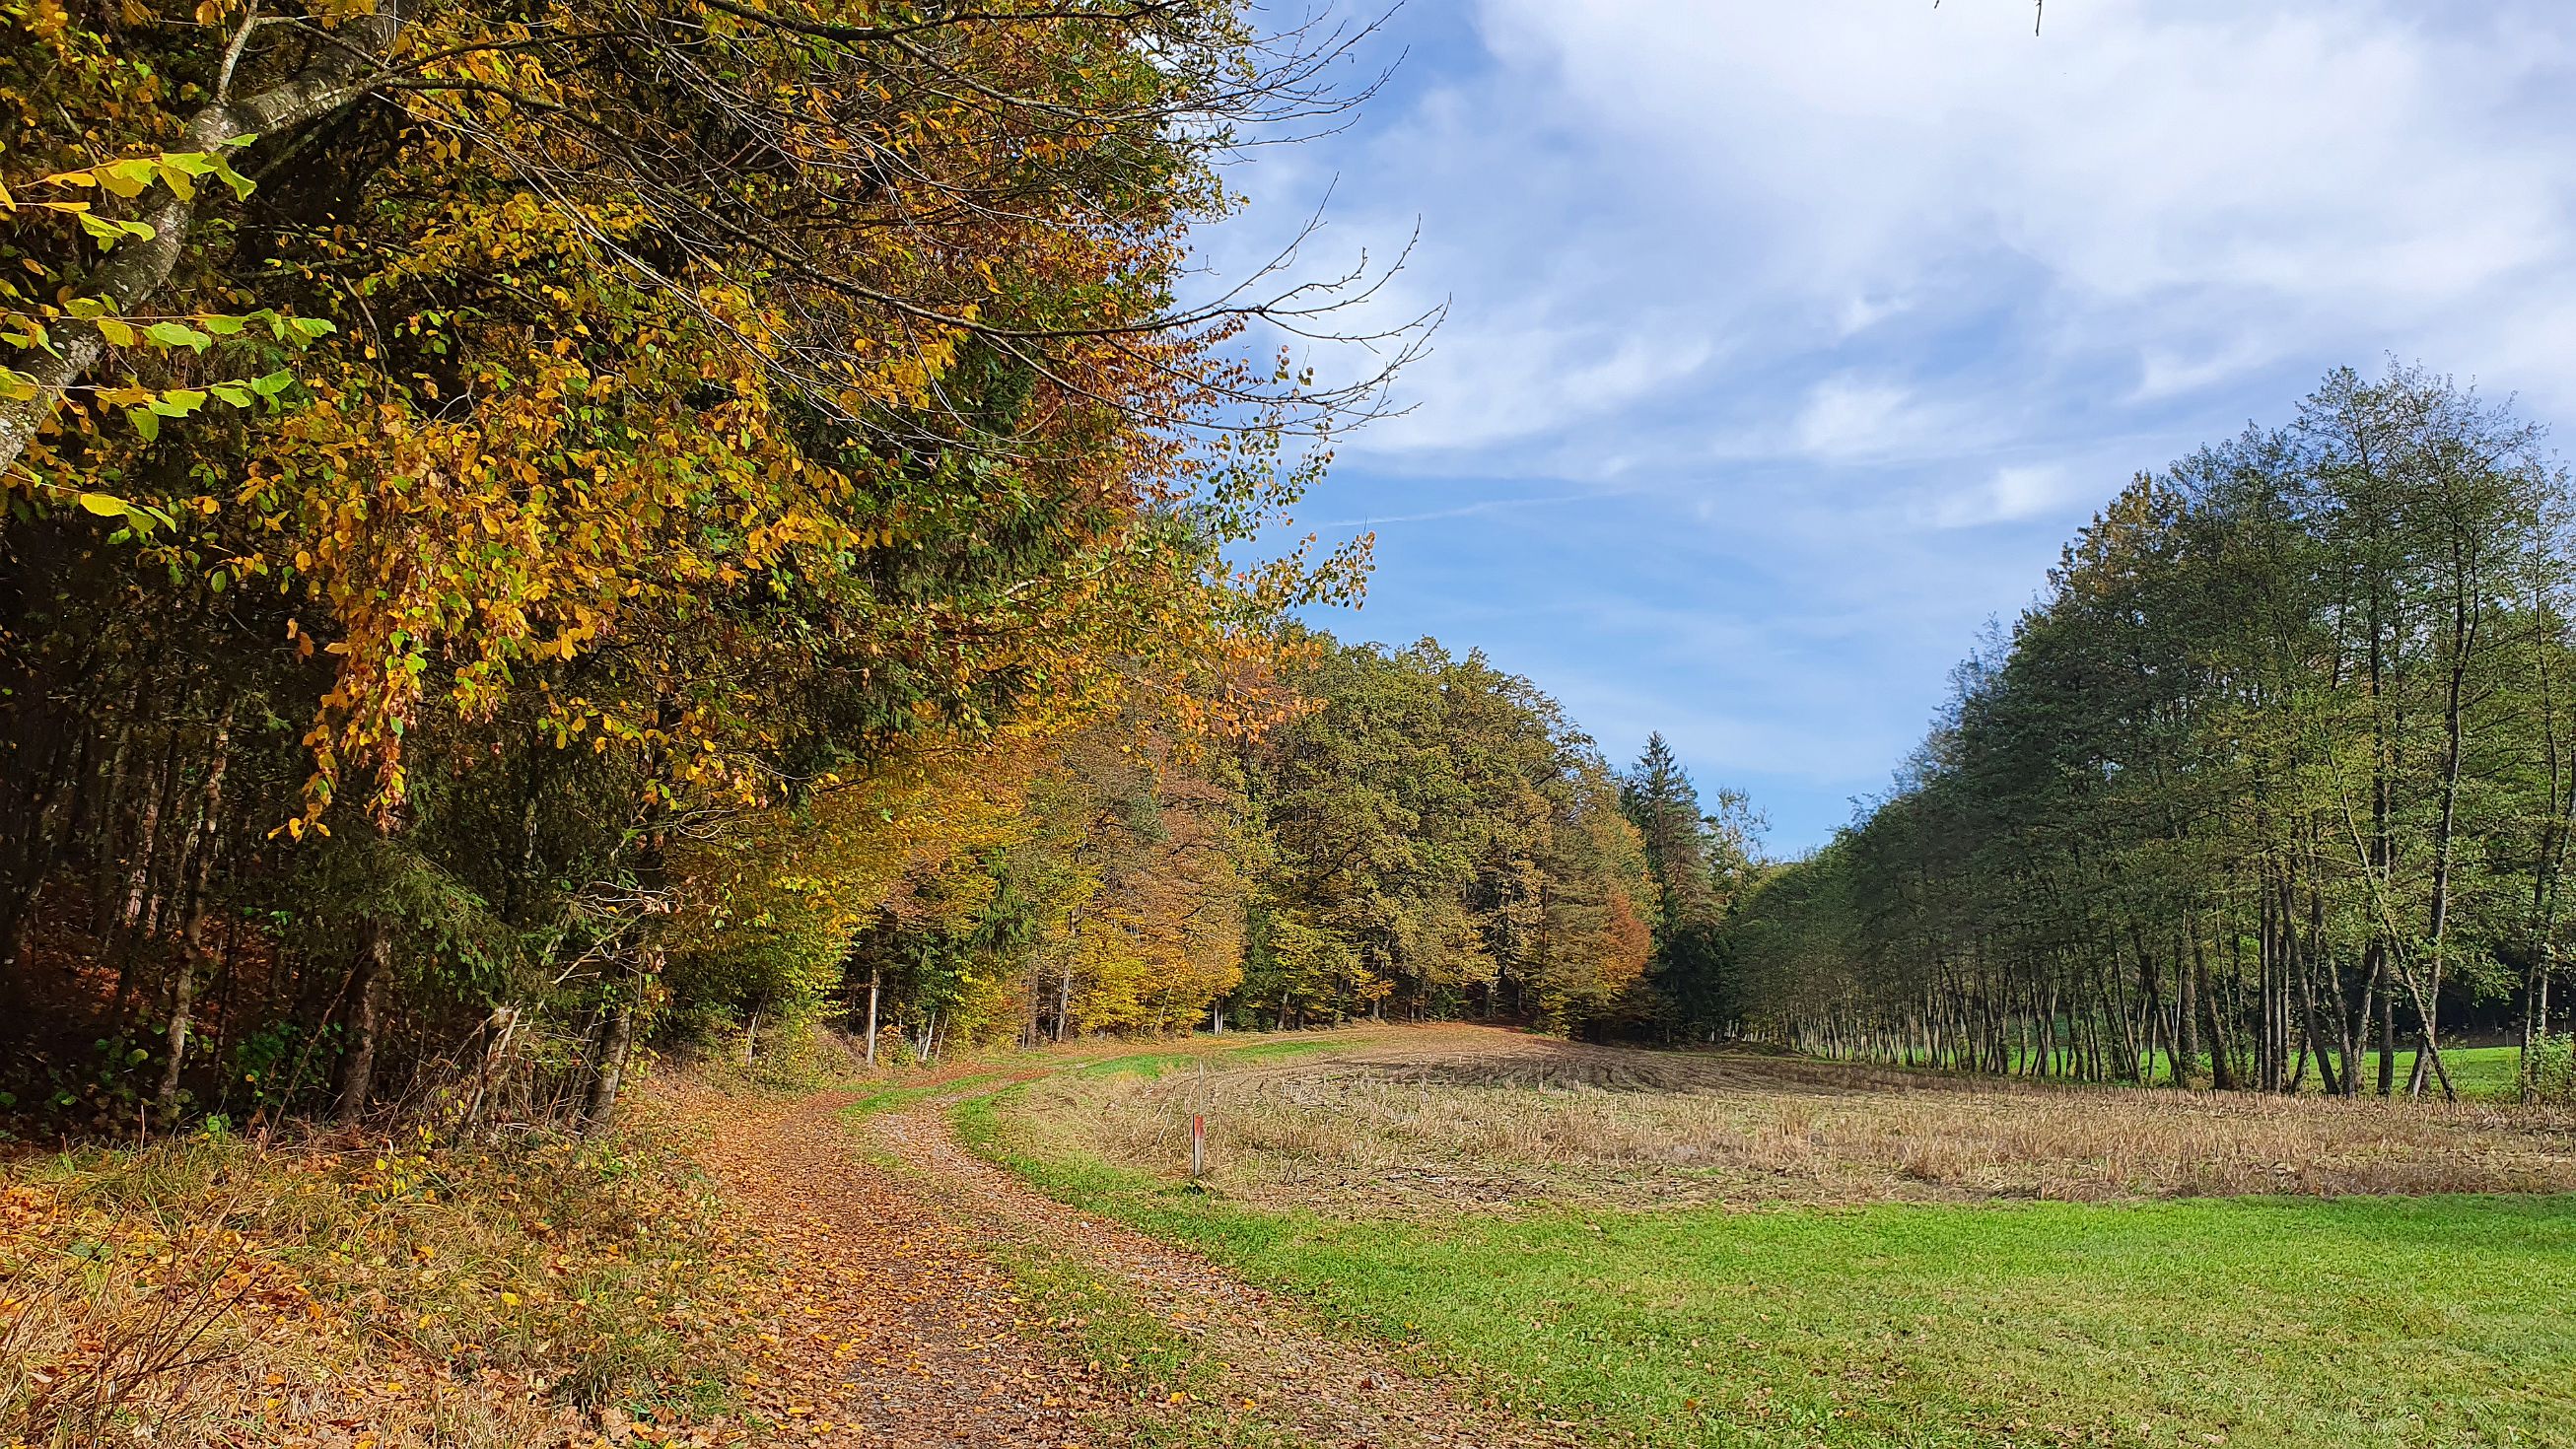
(2357, 1321)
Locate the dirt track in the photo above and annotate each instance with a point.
(900, 1326)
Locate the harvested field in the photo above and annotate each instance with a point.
(1426, 1121)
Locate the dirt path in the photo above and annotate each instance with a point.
(899, 1324)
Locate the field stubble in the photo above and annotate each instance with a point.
(1434, 1121)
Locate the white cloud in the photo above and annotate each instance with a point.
(1848, 418)
(2012, 495)
(2139, 147)
(1873, 302)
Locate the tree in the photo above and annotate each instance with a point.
(2276, 765)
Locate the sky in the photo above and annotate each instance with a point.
(1786, 343)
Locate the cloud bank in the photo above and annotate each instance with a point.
(1786, 342)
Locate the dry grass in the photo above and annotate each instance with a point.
(342, 1292)
(1437, 1120)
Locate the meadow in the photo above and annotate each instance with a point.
(1728, 1249)
(2484, 1072)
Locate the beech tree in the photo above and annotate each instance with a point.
(472, 474)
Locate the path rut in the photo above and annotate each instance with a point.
(901, 1325)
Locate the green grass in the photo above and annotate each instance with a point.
(2485, 1072)
(2488, 1071)
(1183, 1396)
(1271, 1051)
(895, 1099)
(2356, 1322)
(1155, 1064)
(1142, 1064)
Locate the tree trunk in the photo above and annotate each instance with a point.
(617, 1038)
(192, 943)
(874, 974)
(1064, 998)
(358, 1071)
(2387, 1041)
(2222, 1066)
(500, 1034)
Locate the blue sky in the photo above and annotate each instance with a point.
(1787, 342)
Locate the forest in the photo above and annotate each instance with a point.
(2271, 788)
(534, 536)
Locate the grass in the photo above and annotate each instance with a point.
(2359, 1321)
(2490, 1073)
(1443, 1120)
(208, 1290)
(1154, 1065)
(2487, 1071)
(1185, 1396)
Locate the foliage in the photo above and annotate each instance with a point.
(609, 514)
(1443, 839)
(2278, 772)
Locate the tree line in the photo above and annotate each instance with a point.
(2271, 786)
(533, 533)
(527, 529)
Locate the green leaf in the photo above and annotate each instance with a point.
(116, 332)
(145, 422)
(104, 505)
(233, 393)
(218, 324)
(106, 233)
(311, 327)
(177, 334)
(127, 178)
(273, 384)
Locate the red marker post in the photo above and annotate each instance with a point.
(1198, 1144)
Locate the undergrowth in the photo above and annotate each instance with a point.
(351, 1291)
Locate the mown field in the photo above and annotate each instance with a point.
(1735, 1249)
